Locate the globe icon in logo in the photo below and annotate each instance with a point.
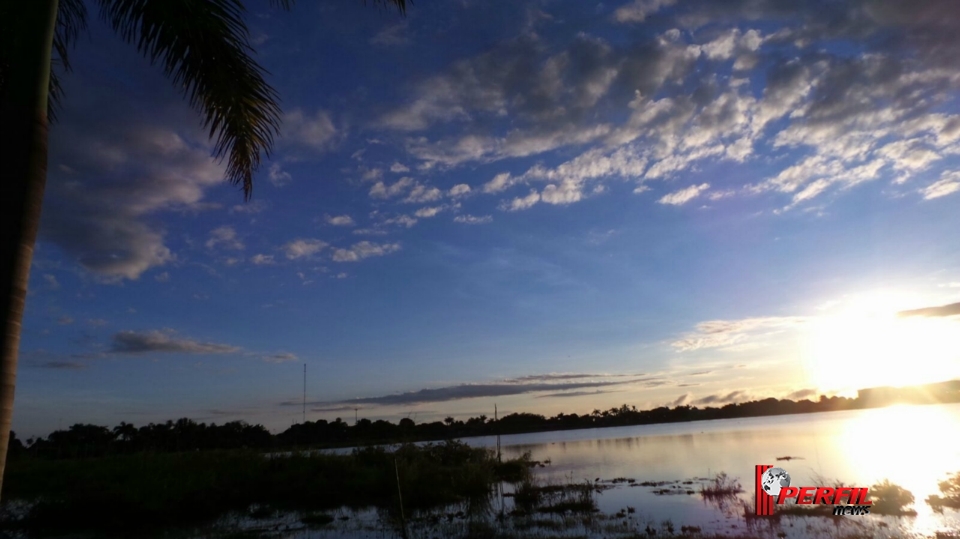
(773, 480)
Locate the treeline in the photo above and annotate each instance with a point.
(80, 440)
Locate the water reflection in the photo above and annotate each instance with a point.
(912, 446)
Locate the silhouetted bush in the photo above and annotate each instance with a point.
(890, 499)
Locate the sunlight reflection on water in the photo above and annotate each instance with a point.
(912, 446)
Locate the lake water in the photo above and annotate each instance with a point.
(912, 446)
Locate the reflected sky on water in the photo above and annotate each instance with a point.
(912, 446)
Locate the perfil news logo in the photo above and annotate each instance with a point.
(773, 488)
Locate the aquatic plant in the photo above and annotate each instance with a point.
(950, 488)
(891, 499)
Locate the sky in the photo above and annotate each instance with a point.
(548, 206)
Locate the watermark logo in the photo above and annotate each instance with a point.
(772, 486)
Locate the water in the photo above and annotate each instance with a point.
(912, 446)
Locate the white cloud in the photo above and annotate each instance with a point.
(428, 212)
(947, 185)
(459, 190)
(370, 174)
(639, 10)
(262, 259)
(829, 121)
(224, 237)
(473, 220)
(499, 183)
(250, 207)
(678, 198)
(521, 203)
(52, 282)
(303, 247)
(393, 35)
(400, 220)
(382, 190)
(277, 176)
(566, 192)
(339, 220)
(364, 249)
(727, 333)
(372, 231)
(103, 213)
(421, 193)
(316, 133)
(399, 168)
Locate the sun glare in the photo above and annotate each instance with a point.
(868, 344)
(909, 445)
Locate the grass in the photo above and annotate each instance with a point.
(891, 499)
(950, 488)
(533, 497)
(150, 490)
(721, 486)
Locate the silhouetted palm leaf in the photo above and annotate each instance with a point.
(71, 20)
(204, 47)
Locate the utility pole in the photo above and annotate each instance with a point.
(304, 392)
(356, 416)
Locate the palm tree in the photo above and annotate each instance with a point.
(202, 45)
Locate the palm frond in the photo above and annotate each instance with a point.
(203, 45)
(401, 5)
(287, 4)
(71, 21)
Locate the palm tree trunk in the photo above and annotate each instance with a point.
(23, 156)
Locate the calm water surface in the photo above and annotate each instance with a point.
(912, 446)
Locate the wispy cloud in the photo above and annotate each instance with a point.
(132, 342)
(224, 237)
(802, 394)
(315, 133)
(576, 394)
(62, 365)
(277, 176)
(339, 220)
(279, 357)
(947, 185)
(471, 391)
(303, 247)
(473, 219)
(261, 259)
(952, 309)
(393, 35)
(726, 333)
(364, 249)
(521, 203)
(681, 197)
(723, 398)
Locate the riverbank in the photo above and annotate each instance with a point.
(148, 490)
(185, 434)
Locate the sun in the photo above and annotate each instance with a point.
(867, 344)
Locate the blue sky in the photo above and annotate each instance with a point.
(551, 206)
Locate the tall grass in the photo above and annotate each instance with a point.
(147, 490)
